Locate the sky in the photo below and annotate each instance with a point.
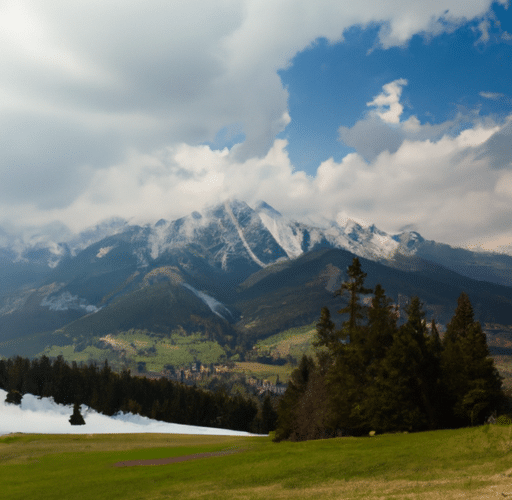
(44, 416)
(395, 113)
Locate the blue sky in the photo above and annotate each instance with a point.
(330, 84)
(395, 113)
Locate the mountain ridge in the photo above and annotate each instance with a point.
(225, 264)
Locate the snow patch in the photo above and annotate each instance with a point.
(281, 231)
(214, 305)
(242, 237)
(103, 251)
(44, 416)
(66, 301)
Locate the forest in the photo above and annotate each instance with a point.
(375, 376)
(109, 392)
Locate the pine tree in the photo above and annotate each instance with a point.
(286, 417)
(268, 416)
(76, 418)
(356, 311)
(471, 383)
(379, 334)
(326, 334)
(14, 397)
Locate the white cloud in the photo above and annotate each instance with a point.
(104, 106)
(389, 109)
(492, 95)
(448, 187)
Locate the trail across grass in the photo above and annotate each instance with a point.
(464, 463)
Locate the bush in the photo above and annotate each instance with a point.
(76, 418)
(504, 420)
(13, 397)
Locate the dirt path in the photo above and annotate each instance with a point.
(174, 460)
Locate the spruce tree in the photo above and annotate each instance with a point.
(471, 383)
(326, 334)
(268, 416)
(355, 310)
(14, 397)
(76, 418)
(379, 334)
(286, 412)
(347, 376)
(398, 398)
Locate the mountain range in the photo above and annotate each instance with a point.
(233, 272)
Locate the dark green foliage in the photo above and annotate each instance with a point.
(504, 420)
(288, 405)
(268, 416)
(381, 377)
(471, 382)
(356, 311)
(76, 418)
(109, 392)
(13, 397)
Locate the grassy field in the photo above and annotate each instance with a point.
(472, 463)
(263, 371)
(139, 345)
(294, 342)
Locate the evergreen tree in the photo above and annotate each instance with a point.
(398, 397)
(13, 397)
(288, 403)
(471, 383)
(76, 418)
(355, 310)
(347, 377)
(326, 335)
(268, 416)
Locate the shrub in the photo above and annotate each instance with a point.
(76, 418)
(504, 420)
(13, 397)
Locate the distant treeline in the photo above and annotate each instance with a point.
(372, 375)
(109, 392)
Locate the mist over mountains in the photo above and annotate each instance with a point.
(240, 271)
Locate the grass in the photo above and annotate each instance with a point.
(263, 371)
(464, 463)
(140, 345)
(294, 342)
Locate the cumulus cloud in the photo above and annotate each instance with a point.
(105, 107)
(382, 130)
(388, 106)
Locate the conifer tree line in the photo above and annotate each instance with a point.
(373, 375)
(109, 392)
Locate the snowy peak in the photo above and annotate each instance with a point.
(285, 232)
(408, 242)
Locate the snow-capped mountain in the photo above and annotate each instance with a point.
(108, 277)
(233, 237)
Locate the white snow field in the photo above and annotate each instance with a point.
(44, 416)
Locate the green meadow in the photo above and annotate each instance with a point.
(465, 463)
(179, 349)
(293, 342)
